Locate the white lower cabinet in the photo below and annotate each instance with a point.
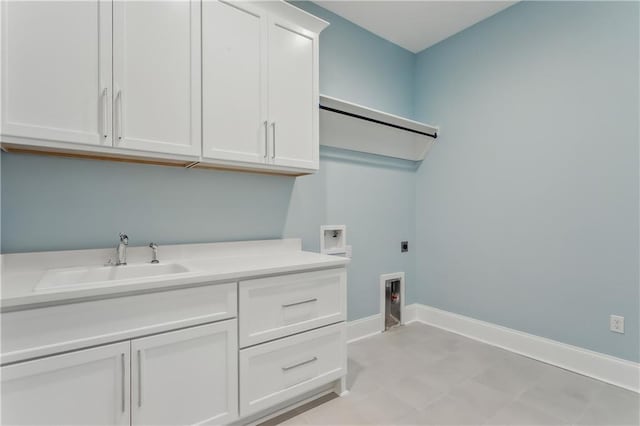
(186, 377)
(277, 371)
(87, 387)
(182, 377)
(162, 372)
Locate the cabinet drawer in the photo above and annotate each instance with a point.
(277, 371)
(280, 306)
(43, 331)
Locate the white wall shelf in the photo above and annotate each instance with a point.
(355, 127)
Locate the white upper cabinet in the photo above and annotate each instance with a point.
(56, 71)
(156, 76)
(260, 85)
(293, 95)
(224, 83)
(88, 387)
(234, 103)
(186, 377)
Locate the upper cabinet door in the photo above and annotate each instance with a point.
(186, 377)
(156, 76)
(56, 71)
(293, 95)
(234, 82)
(87, 387)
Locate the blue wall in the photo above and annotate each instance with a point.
(527, 207)
(51, 203)
(374, 197)
(525, 213)
(56, 204)
(358, 66)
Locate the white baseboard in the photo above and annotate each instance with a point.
(410, 313)
(606, 368)
(363, 327)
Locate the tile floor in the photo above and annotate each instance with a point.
(421, 375)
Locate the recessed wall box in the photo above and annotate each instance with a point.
(333, 239)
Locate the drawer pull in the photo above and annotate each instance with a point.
(288, 305)
(118, 104)
(300, 364)
(105, 117)
(266, 139)
(123, 381)
(139, 379)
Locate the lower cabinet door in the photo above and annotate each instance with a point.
(87, 387)
(186, 377)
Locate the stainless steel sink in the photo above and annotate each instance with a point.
(85, 276)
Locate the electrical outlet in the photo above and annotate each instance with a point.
(616, 323)
(404, 246)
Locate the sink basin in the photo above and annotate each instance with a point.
(70, 277)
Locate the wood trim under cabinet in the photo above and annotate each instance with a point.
(20, 149)
(249, 169)
(54, 152)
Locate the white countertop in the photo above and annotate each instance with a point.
(206, 263)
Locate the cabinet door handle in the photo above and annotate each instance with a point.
(123, 381)
(300, 364)
(300, 303)
(118, 103)
(273, 154)
(266, 139)
(139, 379)
(105, 117)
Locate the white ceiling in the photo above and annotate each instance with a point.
(414, 25)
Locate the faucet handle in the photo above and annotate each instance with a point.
(154, 248)
(124, 239)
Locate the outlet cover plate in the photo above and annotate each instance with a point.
(616, 323)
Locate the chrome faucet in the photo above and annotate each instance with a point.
(121, 250)
(154, 257)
